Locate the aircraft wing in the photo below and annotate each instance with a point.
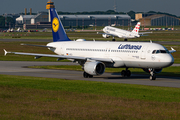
(38, 45)
(142, 33)
(60, 56)
(108, 34)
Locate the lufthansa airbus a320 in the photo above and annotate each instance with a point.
(95, 56)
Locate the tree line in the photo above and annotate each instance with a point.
(6, 23)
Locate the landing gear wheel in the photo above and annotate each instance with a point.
(123, 73)
(153, 77)
(86, 75)
(113, 39)
(90, 76)
(128, 73)
(125, 40)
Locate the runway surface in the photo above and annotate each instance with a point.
(20, 68)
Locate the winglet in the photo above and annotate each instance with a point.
(172, 50)
(5, 52)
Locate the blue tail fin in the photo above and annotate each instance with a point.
(58, 31)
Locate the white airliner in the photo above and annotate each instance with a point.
(116, 32)
(95, 56)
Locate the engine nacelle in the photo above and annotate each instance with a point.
(156, 71)
(137, 36)
(94, 68)
(105, 35)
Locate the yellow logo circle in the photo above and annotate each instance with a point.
(55, 24)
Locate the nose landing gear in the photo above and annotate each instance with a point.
(152, 75)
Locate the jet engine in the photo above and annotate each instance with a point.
(105, 35)
(94, 68)
(137, 36)
(156, 71)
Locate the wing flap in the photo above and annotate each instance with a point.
(39, 45)
(142, 33)
(109, 34)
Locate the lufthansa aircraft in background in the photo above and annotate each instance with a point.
(95, 56)
(116, 32)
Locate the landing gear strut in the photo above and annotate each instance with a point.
(152, 75)
(126, 73)
(86, 75)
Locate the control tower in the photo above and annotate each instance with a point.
(49, 5)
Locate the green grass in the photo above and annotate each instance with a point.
(44, 98)
(149, 93)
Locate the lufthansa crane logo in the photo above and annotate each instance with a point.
(55, 24)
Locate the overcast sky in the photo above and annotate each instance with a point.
(17, 6)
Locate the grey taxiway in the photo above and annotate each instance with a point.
(20, 68)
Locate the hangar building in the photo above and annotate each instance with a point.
(159, 20)
(37, 21)
(95, 20)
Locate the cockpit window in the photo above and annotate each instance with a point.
(160, 51)
(154, 51)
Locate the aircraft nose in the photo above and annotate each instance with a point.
(104, 29)
(168, 60)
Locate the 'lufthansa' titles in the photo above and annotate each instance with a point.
(128, 46)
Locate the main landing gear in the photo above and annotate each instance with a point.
(126, 73)
(86, 75)
(113, 39)
(152, 75)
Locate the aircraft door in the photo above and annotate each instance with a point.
(144, 52)
(62, 51)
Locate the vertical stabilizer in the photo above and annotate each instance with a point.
(58, 31)
(136, 29)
